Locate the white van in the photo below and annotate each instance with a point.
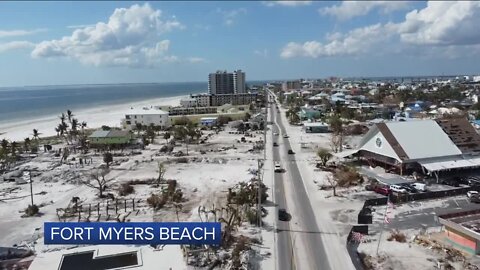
(419, 186)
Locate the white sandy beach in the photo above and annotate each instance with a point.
(109, 115)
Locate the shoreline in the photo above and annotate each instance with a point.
(95, 117)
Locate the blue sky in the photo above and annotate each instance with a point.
(127, 42)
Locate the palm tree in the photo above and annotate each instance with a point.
(138, 127)
(83, 125)
(62, 128)
(69, 116)
(13, 148)
(167, 136)
(74, 126)
(62, 117)
(36, 134)
(4, 145)
(26, 144)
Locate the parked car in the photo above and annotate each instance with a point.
(283, 215)
(472, 193)
(450, 182)
(285, 136)
(473, 181)
(346, 146)
(419, 186)
(278, 168)
(275, 133)
(382, 190)
(408, 188)
(475, 198)
(290, 152)
(275, 144)
(398, 189)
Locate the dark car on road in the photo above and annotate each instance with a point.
(283, 215)
(275, 144)
(290, 152)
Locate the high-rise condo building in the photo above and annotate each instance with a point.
(222, 82)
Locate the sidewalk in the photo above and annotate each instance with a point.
(268, 234)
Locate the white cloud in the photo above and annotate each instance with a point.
(230, 16)
(356, 41)
(449, 29)
(350, 9)
(15, 45)
(443, 23)
(17, 33)
(286, 3)
(196, 60)
(80, 26)
(129, 38)
(263, 53)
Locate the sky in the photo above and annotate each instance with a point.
(87, 42)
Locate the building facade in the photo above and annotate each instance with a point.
(220, 82)
(462, 230)
(146, 117)
(236, 99)
(291, 85)
(427, 146)
(239, 86)
(188, 102)
(219, 100)
(223, 82)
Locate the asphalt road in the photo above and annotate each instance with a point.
(285, 250)
(303, 215)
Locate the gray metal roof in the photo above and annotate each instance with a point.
(423, 139)
(117, 133)
(99, 133)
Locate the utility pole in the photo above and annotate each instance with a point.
(383, 224)
(259, 194)
(31, 187)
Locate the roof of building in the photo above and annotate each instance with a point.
(315, 124)
(144, 111)
(118, 133)
(113, 133)
(99, 133)
(422, 139)
(208, 118)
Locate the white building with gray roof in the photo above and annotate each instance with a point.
(428, 146)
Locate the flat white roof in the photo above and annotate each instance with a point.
(315, 124)
(208, 118)
(450, 164)
(145, 112)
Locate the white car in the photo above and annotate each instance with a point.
(397, 188)
(285, 136)
(275, 134)
(278, 168)
(472, 193)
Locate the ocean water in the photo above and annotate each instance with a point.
(21, 103)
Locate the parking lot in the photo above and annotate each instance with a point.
(419, 214)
